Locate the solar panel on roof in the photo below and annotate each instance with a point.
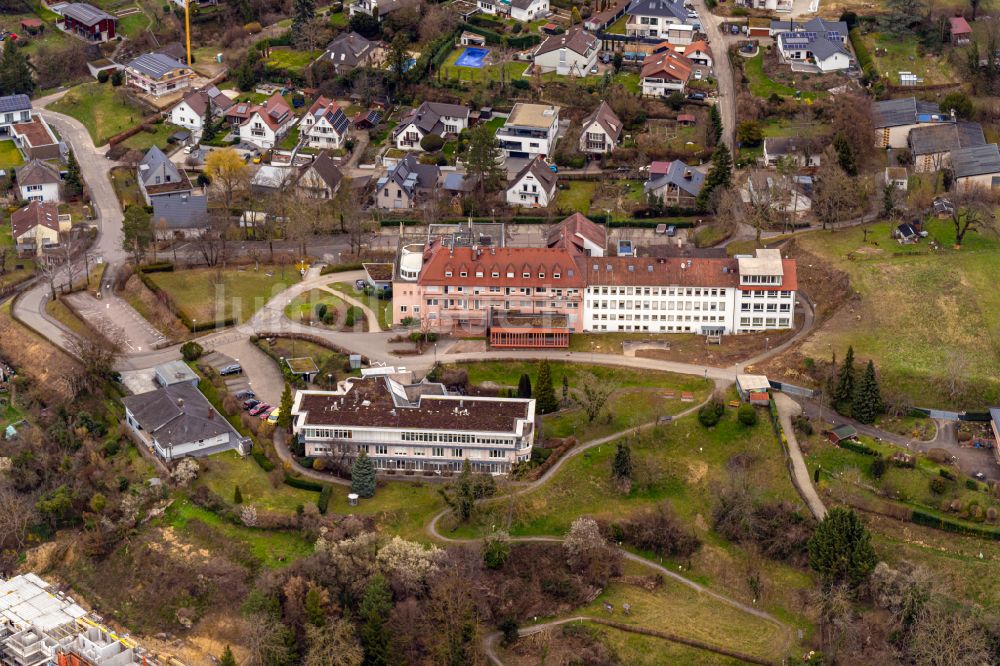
(15, 103)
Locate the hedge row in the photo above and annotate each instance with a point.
(496, 39)
(865, 61)
(858, 447)
(160, 267)
(929, 520)
(262, 460)
(303, 484)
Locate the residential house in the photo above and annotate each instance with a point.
(494, 7)
(378, 8)
(580, 235)
(321, 178)
(38, 226)
(976, 167)
(960, 31)
(190, 112)
(696, 295)
(36, 140)
(601, 20)
(820, 43)
(273, 179)
(572, 53)
(530, 129)
(157, 74)
(238, 114)
(534, 186)
(665, 73)
(674, 184)
(178, 421)
(457, 288)
(88, 22)
(802, 152)
(528, 10)
(183, 216)
(897, 177)
(429, 118)
(894, 118)
(600, 131)
(700, 53)
(14, 109)
(325, 125)
(404, 426)
(347, 51)
(159, 177)
(407, 183)
(651, 18)
(37, 181)
(267, 123)
(931, 145)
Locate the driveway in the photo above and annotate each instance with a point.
(114, 315)
(723, 71)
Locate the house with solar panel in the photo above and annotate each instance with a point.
(429, 118)
(157, 74)
(13, 109)
(407, 184)
(325, 125)
(653, 18)
(816, 43)
(88, 22)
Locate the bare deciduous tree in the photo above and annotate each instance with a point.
(97, 355)
(595, 395)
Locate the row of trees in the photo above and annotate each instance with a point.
(858, 397)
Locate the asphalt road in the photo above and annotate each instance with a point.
(723, 71)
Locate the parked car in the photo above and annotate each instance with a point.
(697, 75)
(734, 29)
(273, 416)
(696, 95)
(980, 476)
(594, 69)
(262, 407)
(244, 394)
(231, 369)
(251, 403)
(360, 285)
(671, 231)
(661, 228)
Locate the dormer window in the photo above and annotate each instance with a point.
(526, 275)
(555, 276)
(510, 274)
(495, 274)
(463, 274)
(541, 276)
(447, 273)
(479, 274)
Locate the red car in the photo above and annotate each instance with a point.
(262, 407)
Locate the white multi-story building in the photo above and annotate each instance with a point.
(530, 129)
(413, 426)
(698, 295)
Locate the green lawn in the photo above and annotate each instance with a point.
(158, 137)
(507, 373)
(899, 53)
(338, 19)
(224, 471)
(682, 462)
(399, 507)
(97, 106)
(303, 306)
(639, 650)
(918, 317)
(10, 156)
(382, 307)
(126, 186)
(272, 548)
(631, 80)
(452, 72)
(760, 84)
(291, 60)
(576, 197)
(239, 294)
(290, 140)
(130, 26)
(618, 27)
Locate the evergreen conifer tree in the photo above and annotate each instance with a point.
(840, 550)
(363, 476)
(867, 403)
(622, 467)
(524, 386)
(376, 605)
(73, 181)
(208, 124)
(565, 389)
(15, 72)
(285, 413)
(237, 496)
(305, 11)
(716, 119)
(843, 392)
(545, 394)
(227, 658)
(720, 174)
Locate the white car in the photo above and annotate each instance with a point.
(697, 75)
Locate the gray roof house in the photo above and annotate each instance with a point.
(154, 65)
(181, 216)
(429, 118)
(931, 145)
(159, 177)
(347, 51)
(673, 10)
(406, 183)
(978, 166)
(178, 421)
(894, 118)
(819, 43)
(678, 185)
(36, 180)
(174, 372)
(321, 178)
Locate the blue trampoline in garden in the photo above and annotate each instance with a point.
(472, 57)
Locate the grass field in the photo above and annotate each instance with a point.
(681, 462)
(899, 53)
(922, 318)
(61, 312)
(126, 186)
(760, 84)
(303, 306)
(272, 548)
(399, 507)
(10, 156)
(98, 107)
(382, 307)
(292, 60)
(576, 197)
(130, 26)
(224, 471)
(507, 373)
(158, 137)
(508, 70)
(239, 295)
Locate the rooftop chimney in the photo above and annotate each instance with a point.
(180, 402)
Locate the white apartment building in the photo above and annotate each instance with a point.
(698, 295)
(413, 426)
(530, 129)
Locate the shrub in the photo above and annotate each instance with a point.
(117, 78)
(520, 84)
(747, 414)
(656, 529)
(253, 28)
(432, 143)
(971, 484)
(191, 351)
(496, 550)
(947, 474)
(103, 76)
(324, 498)
(938, 486)
(321, 311)
(711, 412)
(878, 467)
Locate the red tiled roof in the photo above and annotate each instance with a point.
(274, 112)
(36, 213)
(502, 260)
(667, 64)
(563, 234)
(694, 272)
(700, 45)
(959, 26)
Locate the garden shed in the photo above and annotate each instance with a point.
(842, 433)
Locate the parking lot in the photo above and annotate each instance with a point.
(259, 372)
